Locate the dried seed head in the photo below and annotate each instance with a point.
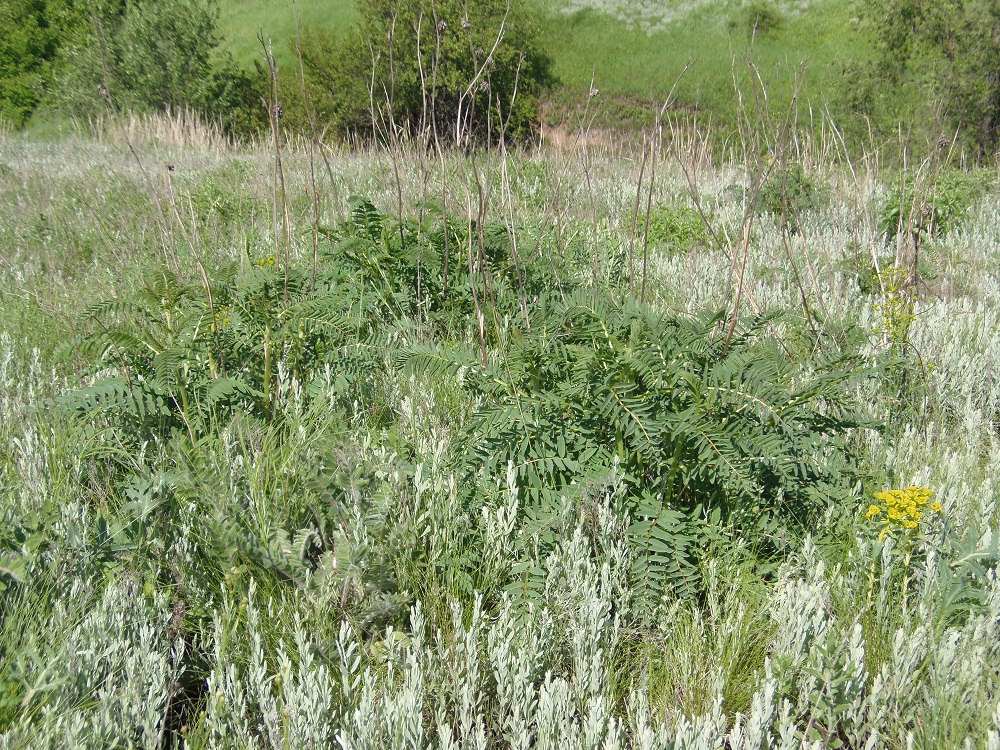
(176, 620)
(442, 26)
(178, 616)
(466, 24)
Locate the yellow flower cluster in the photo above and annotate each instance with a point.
(269, 262)
(901, 509)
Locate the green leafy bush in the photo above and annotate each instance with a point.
(152, 56)
(697, 425)
(677, 229)
(27, 47)
(186, 360)
(189, 357)
(936, 52)
(788, 193)
(465, 70)
(932, 208)
(421, 268)
(759, 18)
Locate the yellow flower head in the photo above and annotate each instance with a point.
(900, 510)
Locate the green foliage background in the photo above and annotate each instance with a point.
(148, 56)
(937, 68)
(868, 67)
(31, 34)
(446, 66)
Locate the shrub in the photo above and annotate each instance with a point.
(433, 65)
(422, 270)
(185, 360)
(33, 34)
(677, 229)
(697, 427)
(787, 194)
(760, 18)
(932, 209)
(156, 56)
(26, 46)
(939, 51)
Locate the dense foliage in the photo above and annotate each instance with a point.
(943, 56)
(31, 33)
(464, 71)
(156, 56)
(144, 56)
(698, 426)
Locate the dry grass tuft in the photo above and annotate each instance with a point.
(181, 129)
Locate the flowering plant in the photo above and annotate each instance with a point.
(901, 509)
(896, 308)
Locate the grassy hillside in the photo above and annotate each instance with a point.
(241, 20)
(630, 62)
(634, 58)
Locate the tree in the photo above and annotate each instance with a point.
(152, 55)
(30, 34)
(460, 70)
(948, 53)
